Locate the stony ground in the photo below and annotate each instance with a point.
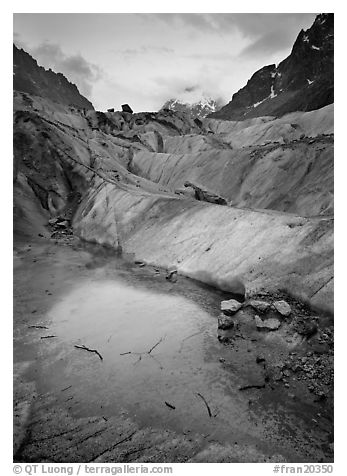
(288, 367)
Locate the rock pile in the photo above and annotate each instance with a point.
(60, 226)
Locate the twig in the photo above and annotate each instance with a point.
(155, 345)
(47, 337)
(246, 387)
(67, 388)
(37, 327)
(83, 347)
(207, 406)
(170, 406)
(138, 360)
(148, 352)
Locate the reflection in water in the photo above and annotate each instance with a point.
(161, 361)
(156, 348)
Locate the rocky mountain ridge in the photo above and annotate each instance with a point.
(31, 78)
(304, 81)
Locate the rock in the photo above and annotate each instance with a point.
(258, 305)
(172, 276)
(225, 322)
(63, 224)
(224, 339)
(53, 221)
(198, 122)
(283, 308)
(206, 196)
(111, 109)
(271, 324)
(307, 329)
(127, 108)
(259, 359)
(230, 307)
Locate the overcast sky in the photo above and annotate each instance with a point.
(145, 59)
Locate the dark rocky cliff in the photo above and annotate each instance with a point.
(31, 78)
(304, 81)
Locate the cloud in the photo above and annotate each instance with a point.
(275, 32)
(75, 67)
(17, 40)
(269, 43)
(203, 84)
(190, 89)
(249, 24)
(130, 53)
(267, 33)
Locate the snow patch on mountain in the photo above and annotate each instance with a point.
(199, 109)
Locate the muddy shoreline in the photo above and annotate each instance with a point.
(280, 383)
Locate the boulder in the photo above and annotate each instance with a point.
(110, 110)
(225, 322)
(271, 324)
(205, 196)
(230, 307)
(258, 305)
(127, 108)
(172, 276)
(282, 307)
(198, 122)
(63, 224)
(260, 359)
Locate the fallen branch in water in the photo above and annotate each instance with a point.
(148, 352)
(83, 347)
(207, 405)
(155, 345)
(66, 388)
(246, 387)
(170, 406)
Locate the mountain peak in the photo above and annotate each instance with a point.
(31, 78)
(198, 109)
